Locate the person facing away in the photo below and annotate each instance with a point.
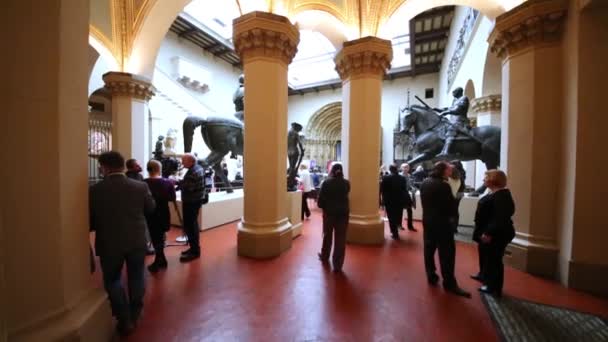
(438, 212)
(134, 170)
(307, 188)
(393, 188)
(117, 209)
(333, 199)
(405, 172)
(193, 197)
(159, 221)
(493, 231)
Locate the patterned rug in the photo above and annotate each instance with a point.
(521, 320)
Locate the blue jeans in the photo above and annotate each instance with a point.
(125, 309)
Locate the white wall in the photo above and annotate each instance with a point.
(95, 81)
(394, 93)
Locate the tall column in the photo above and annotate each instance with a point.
(528, 38)
(487, 110)
(361, 65)
(266, 44)
(130, 118)
(44, 237)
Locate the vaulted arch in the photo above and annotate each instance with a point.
(323, 133)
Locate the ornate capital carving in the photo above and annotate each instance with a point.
(369, 56)
(490, 103)
(533, 23)
(261, 34)
(126, 84)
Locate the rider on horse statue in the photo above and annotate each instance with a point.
(459, 123)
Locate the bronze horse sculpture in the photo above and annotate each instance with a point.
(221, 135)
(482, 143)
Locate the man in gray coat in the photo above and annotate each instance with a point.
(117, 208)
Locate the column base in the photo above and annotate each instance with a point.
(263, 241)
(365, 230)
(532, 257)
(592, 278)
(294, 212)
(89, 320)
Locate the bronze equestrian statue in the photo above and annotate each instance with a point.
(222, 135)
(438, 138)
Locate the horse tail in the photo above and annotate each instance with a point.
(189, 125)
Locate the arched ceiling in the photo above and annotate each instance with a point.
(325, 123)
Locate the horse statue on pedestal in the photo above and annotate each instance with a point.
(480, 143)
(221, 135)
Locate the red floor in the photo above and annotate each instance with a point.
(382, 296)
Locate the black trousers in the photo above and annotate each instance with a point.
(125, 308)
(395, 217)
(157, 234)
(493, 268)
(334, 228)
(305, 209)
(481, 253)
(191, 227)
(410, 217)
(447, 256)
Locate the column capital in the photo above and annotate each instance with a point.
(490, 103)
(369, 56)
(531, 24)
(126, 84)
(262, 34)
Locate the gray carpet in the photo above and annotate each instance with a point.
(520, 320)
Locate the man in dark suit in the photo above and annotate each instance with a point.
(117, 208)
(410, 201)
(193, 196)
(438, 212)
(394, 195)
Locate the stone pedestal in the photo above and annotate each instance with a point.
(294, 212)
(47, 291)
(130, 96)
(266, 43)
(361, 65)
(528, 38)
(487, 110)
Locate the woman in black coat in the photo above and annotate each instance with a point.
(493, 231)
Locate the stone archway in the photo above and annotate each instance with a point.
(323, 134)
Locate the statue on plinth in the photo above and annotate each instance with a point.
(158, 148)
(295, 153)
(170, 142)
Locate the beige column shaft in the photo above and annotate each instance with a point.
(130, 121)
(47, 289)
(266, 44)
(487, 110)
(528, 38)
(362, 64)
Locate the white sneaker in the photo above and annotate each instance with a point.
(182, 238)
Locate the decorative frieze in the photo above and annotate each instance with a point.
(464, 37)
(490, 103)
(126, 84)
(534, 23)
(261, 34)
(369, 56)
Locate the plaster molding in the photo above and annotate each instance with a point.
(130, 85)
(369, 56)
(490, 103)
(266, 35)
(534, 23)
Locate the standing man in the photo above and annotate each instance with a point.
(438, 212)
(134, 170)
(457, 115)
(410, 201)
(193, 197)
(117, 209)
(393, 188)
(307, 188)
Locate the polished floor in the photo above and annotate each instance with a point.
(382, 295)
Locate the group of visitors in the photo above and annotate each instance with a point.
(123, 208)
(440, 195)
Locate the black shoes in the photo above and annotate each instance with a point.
(401, 228)
(433, 280)
(458, 291)
(486, 289)
(412, 229)
(395, 236)
(157, 266)
(477, 277)
(125, 328)
(191, 255)
(325, 261)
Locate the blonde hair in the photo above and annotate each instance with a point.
(497, 178)
(154, 166)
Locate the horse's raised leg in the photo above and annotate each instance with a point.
(215, 160)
